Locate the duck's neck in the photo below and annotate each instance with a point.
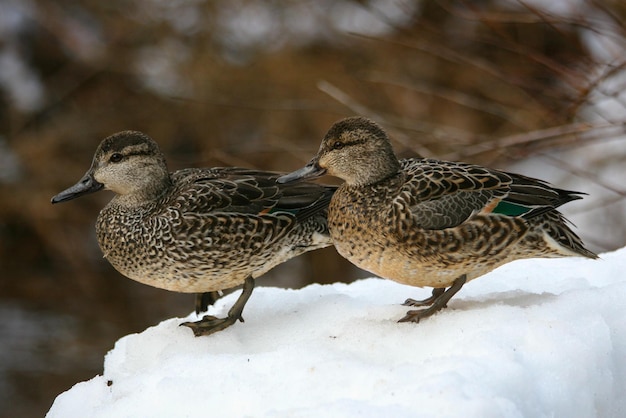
(381, 167)
(146, 192)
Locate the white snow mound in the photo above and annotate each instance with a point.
(534, 338)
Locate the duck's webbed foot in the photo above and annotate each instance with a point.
(436, 302)
(438, 291)
(203, 300)
(210, 324)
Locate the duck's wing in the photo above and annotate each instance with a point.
(247, 191)
(444, 194)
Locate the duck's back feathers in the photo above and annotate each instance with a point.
(246, 191)
(444, 194)
(531, 197)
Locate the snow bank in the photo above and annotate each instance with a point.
(535, 338)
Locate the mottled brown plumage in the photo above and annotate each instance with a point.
(426, 222)
(198, 230)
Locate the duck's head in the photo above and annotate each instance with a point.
(128, 163)
(356, 150)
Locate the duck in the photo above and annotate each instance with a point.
(432, 223)
(198, 230)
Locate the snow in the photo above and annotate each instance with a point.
(534, 338)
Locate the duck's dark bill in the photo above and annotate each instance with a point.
(309, 171)
(84, 186)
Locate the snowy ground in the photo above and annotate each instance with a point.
(535, 338)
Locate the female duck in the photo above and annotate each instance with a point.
(198, 230)
(425, 222)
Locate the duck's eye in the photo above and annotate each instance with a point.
(116, 157)
(337, 145)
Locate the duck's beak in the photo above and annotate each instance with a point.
(310, 171)
(84, 186)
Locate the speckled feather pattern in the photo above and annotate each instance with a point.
(199, 230)
(427, 229)
(426, 222)
(207, 233)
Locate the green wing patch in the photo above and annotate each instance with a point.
(511, 209)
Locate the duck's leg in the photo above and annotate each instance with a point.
(437, 292)
(203, 300)
(210, 324)
(439, 302)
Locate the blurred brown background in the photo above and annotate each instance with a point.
(516, 85)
